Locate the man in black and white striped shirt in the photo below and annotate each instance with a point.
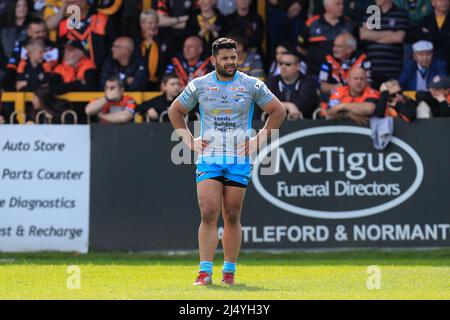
(385, 46)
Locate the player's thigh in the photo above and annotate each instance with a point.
(233, 199)
(209, 193)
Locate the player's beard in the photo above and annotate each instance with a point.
(223, 71)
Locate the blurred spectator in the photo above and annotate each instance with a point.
(436, 29)
(96, 32)
(124, 14)
(154, 48)
(283, 48)
(417, 9)
(34, 72)
(114, 107)
(317, 38)
(335, 70)
(356, 101)
(248, 62)
(208, 24)
(418, 73)
(353, 9)
(14, 27)
(76, 72)
(190, 65)
(393, 103)
(36, 30)
(296, 92)
(54, 12)
(4, 8)
(52, 107)
(226, 7)
(248, 24)
(286, 19)
(132, 71)
(438, 98)
(130, 18)
(170, 88)
(385, 46)
(173, 15)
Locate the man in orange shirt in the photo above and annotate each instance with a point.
(356, 101)
(76, 73)
(114, 107)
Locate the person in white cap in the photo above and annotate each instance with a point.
(418, 72)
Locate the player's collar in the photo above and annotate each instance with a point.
(225, 82)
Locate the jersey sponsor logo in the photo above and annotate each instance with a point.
(241, 89)
(224, 99)
(185, 96)
(239, 98)
(209, 100)
(215, 112)
(213, 89)
(258, 84)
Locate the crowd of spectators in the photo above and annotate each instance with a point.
(321, 58)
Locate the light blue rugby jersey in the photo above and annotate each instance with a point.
(226, 109)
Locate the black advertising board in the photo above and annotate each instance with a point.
(326, 186)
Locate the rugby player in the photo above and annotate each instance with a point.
(226, 99)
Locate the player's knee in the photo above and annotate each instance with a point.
(209, 214)
(232, 215)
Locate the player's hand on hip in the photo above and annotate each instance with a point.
(248, 148)
(199, 145)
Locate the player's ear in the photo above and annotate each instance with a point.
(213, 60)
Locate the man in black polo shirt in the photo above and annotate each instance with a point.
(385, 46)
(317, 38)
(436, 29)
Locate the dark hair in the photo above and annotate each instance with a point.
(239, 38)
(223, 43)
(115, 78)
(49, 102)
(10, 19)
(34, 20)
(167, 77)
(287, 45)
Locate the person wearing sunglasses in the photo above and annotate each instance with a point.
(296, 92)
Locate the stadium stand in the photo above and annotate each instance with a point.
(268, 29)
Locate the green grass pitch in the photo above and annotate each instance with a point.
(337, 275)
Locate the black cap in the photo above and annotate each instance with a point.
(74, 43)
(440, 82)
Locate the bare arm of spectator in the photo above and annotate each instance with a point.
(21, 84)
(53, 21)
(385, 37)
(362, 109)
(174, 22)
(117, 117)
(95, 106)
(327, 88)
